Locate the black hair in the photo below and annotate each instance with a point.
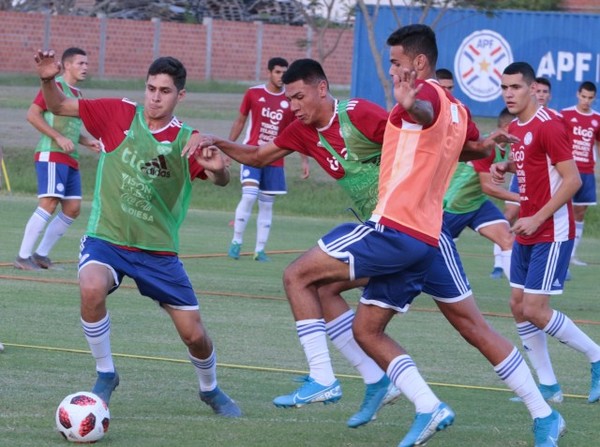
(544, 81)
(169, 66)
(444, 73)
(505, 115)
(416, 39)
(308, 70)
(587, 85)
(522, 68)
(276, 62)
(70, 52)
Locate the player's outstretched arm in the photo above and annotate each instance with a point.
(48, 68)
(474, 150)
(257, 156)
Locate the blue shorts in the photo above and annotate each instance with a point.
(586, 194)
(513, 187)
(58, 180)
(540, 268)
(486, 214)
(446, 280)
(160, 277)
(395, 263)
(270, 179)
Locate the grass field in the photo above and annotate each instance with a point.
(245, 310)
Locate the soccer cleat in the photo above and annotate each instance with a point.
(234, 250)
(261, 256)
(595, 387)
(42, 261)
(221, 403)
(548, 430)
(578, 262)
(497, 273)
(105, 385)
(427, 424)
(551, 394)
(309, 393)
(376, 396)
(25, 264)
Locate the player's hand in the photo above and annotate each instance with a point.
(192, 146)
(211, 158)
(305, 168)
(47, 67)
(501, 136)
(93, 144)
(405, 88)
(498, 170)
(526, 226)
(65, 144)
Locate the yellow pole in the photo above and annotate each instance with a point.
(5, 174)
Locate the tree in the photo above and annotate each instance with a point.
(325, 17)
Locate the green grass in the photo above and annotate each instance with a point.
(245, 311)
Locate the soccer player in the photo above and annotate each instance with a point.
(548, 178)
(583, 128)
(466, 203)
(269, 113)
(143, 187)
(543, 91)
(344, 137)
(451, 291)
(445, 78)
(57, 167)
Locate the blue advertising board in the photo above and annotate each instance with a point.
(563, 47)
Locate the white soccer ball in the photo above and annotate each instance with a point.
(82, 417)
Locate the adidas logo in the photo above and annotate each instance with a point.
(157, 167)
(556, 283)
(262, 99)
(573, 120)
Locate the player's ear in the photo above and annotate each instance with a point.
(181, 94)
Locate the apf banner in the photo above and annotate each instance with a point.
(562, 47)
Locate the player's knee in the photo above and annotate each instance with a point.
(197, 339)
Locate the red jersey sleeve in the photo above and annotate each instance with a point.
(484, 164)
(40, 101)
(107, 119)
(369, 118)
(472, 129)
(246, 103)
(293, 137)
(555, 139)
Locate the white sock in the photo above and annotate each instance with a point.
(534, 342)
(578, 236)
(505, 256)
(497, 261)
(562, 327)
(54, 231)
(33, 229)
(206, 370)
(516, 375)
(263, 220)
(98, 338)
(403, 372)
(314, 341)
(340, 334)
(243, 212)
